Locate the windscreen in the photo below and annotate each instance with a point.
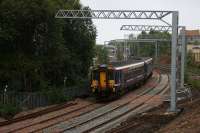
(95, 75)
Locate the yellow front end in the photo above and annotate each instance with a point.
(102, 80)
(111, 84)
(94, 85)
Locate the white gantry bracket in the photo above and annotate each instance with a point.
(146, 28)
(135, 14)
(112, 14)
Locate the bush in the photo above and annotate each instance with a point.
(8, 111)
(195, 84)
(55, 95)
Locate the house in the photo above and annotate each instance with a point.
(193, 44)
(193, 36)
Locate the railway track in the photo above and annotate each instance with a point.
(38, 113)
(145, 107)
(136, 106)
(32, 128)
(163, 68)
(97, 119)
(58, 116)
(51, 115)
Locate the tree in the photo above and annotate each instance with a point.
(101, 53)
(37, 51)
(149, 49)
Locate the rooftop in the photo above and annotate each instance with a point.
(192, 32)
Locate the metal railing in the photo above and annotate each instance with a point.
(30, 100)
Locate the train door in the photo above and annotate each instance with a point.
(145, 70)
(94, 79)
(103, 79)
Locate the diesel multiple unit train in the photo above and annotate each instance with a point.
(115, 78)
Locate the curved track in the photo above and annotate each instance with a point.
(98, 118)
(52, 117)
(87, 110)
(153, 101)
(36, 114)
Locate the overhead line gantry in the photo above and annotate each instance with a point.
(135, 14)
(112, 14)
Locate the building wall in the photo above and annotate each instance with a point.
(194, 50)
(193, 41)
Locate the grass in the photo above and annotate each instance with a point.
(8, 111)
(193, 71)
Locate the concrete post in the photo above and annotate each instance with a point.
(156, 56)
(173, 61)
(183, 48)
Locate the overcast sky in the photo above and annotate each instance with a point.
(189, 14)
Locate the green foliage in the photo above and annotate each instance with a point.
(101, 54)
(192, 70)
(7, 111)
(195, 84)
(145, 49)
(119, 52)
(196, 43)
(189, 58)
(37, 51)
(149, 50)
(55, 95)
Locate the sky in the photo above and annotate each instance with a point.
(189, 15)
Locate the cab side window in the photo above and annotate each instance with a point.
(95, 75)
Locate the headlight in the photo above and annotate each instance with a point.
(113, 89)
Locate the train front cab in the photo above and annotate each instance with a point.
(103, 81)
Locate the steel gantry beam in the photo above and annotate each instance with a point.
(135, 14)
(112, 14)
(146, 28)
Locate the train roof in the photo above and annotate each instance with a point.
(130, 66)
(132, 62)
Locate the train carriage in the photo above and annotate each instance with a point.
(117, 77)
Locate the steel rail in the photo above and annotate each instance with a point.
(36, 114)
(57, 116)
(137, 107)
(107, 111)
(142, 106)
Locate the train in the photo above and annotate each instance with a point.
(115, 78)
